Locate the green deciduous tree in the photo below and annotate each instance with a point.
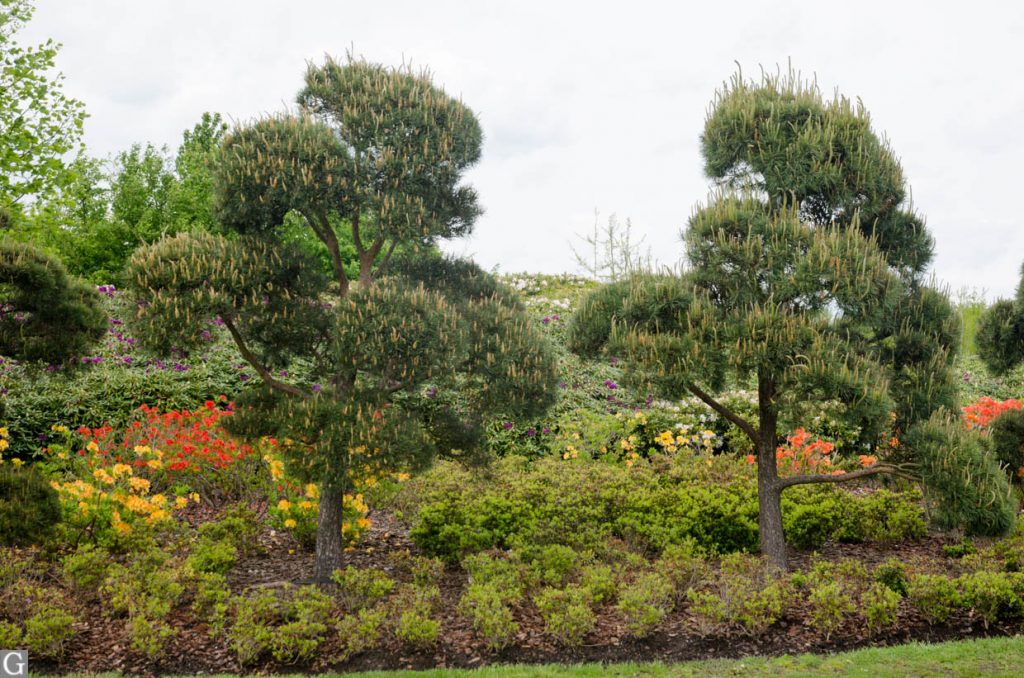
(804, 276)
(38, 123)
(380, 153)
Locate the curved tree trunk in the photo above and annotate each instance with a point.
(328, 532)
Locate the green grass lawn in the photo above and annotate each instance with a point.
(989, 657)
(986, 658)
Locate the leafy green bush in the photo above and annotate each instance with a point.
(48, 629)
(548, 565)
(10, 634)
(150, 584)
(29, 507)
(426, 571)
(240, 527)
(959, 550)
(893, 575)
(831, 605)
(417, 628)
(992, 595)
(890, 517)
(567, 614)
(213, 556)
(85, 569)
(360, 632)
(499, 574)
(361, 588)
(683, 566)
(880, 604)
(743, 594)
(149, 636)
(645, 602)
(651, 505)
(252, 632)
(935, 596)
(290, 625)
(599, 581)
(297, 641)
(211, 600)
(485, 606)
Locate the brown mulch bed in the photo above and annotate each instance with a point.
(100, 643)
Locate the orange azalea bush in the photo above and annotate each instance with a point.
(181, 451)
(802, 455)
(980, 413)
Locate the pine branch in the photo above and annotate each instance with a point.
(251, 358)
(742, 423)
(893, 469)
(330, 239)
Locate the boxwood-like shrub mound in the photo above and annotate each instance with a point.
(710, 502)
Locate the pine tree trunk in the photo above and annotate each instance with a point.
(769, 507)
(769, 494)
(328, 533)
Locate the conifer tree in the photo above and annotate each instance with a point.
(805, 277)
(1000, 335)
(46, 315)
(349, 367)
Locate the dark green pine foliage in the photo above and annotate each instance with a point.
(45, 315)
(379, 152)
(1000, 336)
(805, 277)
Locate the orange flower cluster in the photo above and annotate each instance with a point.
(801, 455)
(981, 412)
(181, 441)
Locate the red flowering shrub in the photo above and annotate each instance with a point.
(184, 450)
(980, 413)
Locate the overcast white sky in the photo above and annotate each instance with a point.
(592, 105)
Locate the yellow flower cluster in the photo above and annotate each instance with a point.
(118, 496)
(4, 444)
(698, 440)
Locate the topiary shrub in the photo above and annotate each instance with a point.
(29, 507)
(1007, 440)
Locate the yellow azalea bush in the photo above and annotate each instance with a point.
(294, 506)
(103, 498)
(5, 443)
(631, 436)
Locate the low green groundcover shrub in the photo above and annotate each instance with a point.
(710, 503)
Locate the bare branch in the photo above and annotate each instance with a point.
(742, 423)
(387, 257)
(251, 358)
(892, 469)
(322, 227)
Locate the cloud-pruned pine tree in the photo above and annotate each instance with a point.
(379, 152)
(1000, 333)
(805, 276)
